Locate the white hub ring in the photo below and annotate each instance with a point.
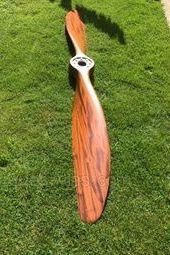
(82, 63)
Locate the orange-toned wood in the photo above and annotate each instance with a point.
(91, 152)
(76, 30)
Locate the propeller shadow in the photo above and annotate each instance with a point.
(71, 72)
(100, 21)
(66, 4)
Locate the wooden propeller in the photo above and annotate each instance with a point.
(90, 145)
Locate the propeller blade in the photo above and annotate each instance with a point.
(90, 143)
(76, 30)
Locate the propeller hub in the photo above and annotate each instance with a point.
(82, 63)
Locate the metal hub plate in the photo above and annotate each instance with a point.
(82, 63)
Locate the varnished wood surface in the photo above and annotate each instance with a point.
(76, 30)
(91, 152)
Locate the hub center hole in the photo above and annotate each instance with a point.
(82, 63)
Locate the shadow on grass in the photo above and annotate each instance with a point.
(100, 21)
(66, 4)
(71, 71)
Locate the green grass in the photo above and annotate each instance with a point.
(38, 212)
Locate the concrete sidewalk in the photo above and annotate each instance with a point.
(166, 6)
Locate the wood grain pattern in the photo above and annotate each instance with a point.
(90, 145)
(91, 153)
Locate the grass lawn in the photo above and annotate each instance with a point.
(130, 43)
